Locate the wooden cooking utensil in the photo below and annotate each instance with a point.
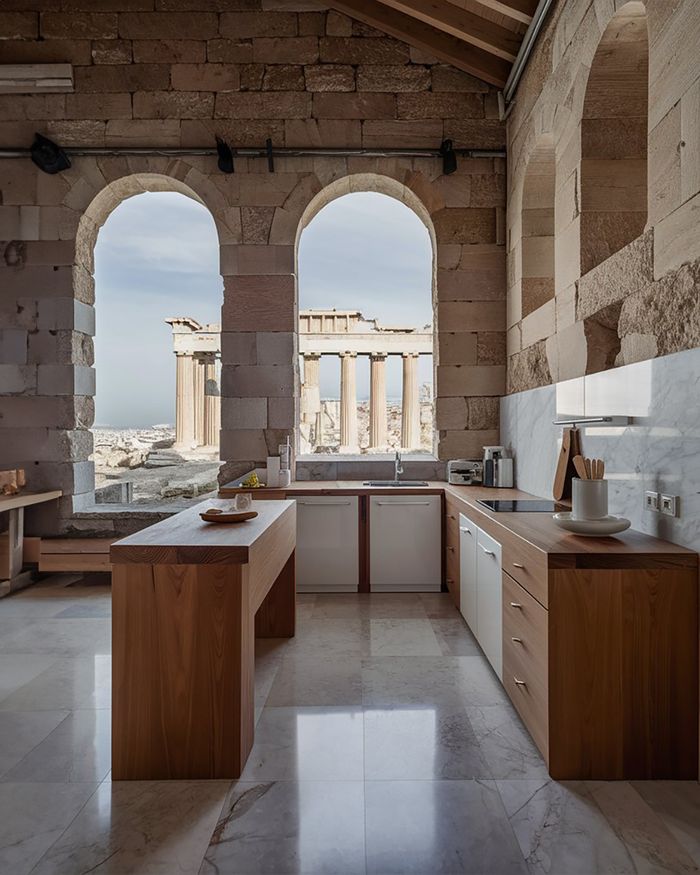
(570, 447)
(580, 466)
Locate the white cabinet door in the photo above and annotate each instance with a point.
(405, 542)
(327, 552)
(489, 621)
(468, 534)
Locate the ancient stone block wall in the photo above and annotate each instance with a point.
(585, 94)
(173, 73)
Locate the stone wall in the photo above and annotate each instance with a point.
(581, 96)
(173, 73)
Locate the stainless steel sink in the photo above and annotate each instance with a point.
(397, 483)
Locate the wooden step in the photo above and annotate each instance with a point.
(75, 554)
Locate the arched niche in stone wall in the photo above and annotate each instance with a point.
(613, 187)
(538, 228)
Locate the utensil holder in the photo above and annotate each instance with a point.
(590, 499)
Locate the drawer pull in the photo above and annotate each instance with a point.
(519, 683)
(465, 530)
(449, 547)
(518, 565)
(452, 516)
(517, 640)
(487, 552)
(516, 605)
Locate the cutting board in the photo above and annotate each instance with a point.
(570, 447)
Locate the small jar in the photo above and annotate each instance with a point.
(590, 499)
(244, 501)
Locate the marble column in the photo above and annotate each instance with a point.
(377, 400)
(184, 400)
(212, 402)
(410, 403)
(198, 382)
(348, 403)
(311, 393)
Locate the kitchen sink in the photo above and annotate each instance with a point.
(398, 483)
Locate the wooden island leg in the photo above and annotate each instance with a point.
(276, 616)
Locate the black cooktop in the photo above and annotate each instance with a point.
(523, 505)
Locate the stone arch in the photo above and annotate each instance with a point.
(163, 175)
(391, 187)
(537, 248)
(613, 188)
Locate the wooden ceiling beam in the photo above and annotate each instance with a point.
(465, 25)
(518, 10)
(441, 45)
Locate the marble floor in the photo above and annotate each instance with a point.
(384, 744)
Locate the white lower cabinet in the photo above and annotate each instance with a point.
(405, 536)
(480, 589)
(327, 551)
(468, 534)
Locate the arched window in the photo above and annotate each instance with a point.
(614, 139)
(365, 327)
(158, 297)
(538, 229)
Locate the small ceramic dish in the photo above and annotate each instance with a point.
(215, 515)
(609, 525)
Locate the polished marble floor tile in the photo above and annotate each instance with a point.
(677, 804)
(32, 818)
(18, 669)
(439, 827)
(421, 743)
(307, 744)
(439, 605)
(454, 637)
(377, 605)
(332, 637)
(281, 827)
(22, 731)
(505, 743)
(77, 751)
(58, 637)
(67, 684)
(314, 680)
(139, 828)
(406, 637)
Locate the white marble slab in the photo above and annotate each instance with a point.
(659, 450)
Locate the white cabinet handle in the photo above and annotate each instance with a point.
(324, 503)
(401, 503)
(516, 605)
(517, 640)
(488, 552)
(518, 565)
(465, 530)
(519, 683)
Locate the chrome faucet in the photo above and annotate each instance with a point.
(398, 467)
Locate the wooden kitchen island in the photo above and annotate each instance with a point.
(188, 599)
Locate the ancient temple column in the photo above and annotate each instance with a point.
(212, 402)
(348, 403)
(184, 400)
(199, 365)
(377, 400)
(311, 399)
(410, 403)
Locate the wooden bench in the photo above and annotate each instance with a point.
(75, 554)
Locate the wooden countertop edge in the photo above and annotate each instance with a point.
(27, 499)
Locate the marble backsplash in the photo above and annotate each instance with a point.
(658, 450)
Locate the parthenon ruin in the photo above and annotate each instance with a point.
(343, 333)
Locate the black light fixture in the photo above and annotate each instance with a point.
(225, 153)
(449, 157)
(48, 156)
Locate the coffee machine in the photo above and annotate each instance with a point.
(498, 467)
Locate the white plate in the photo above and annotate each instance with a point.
(609, 525)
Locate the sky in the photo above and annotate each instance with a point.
(157, 256)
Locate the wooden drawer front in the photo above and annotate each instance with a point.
(528, 693)
(452, 568)
(525, 626)
(526, 564)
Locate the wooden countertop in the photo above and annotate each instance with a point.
(563, 548)
(185, 539)
(25, 499)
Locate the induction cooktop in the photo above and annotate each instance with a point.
(522, 505)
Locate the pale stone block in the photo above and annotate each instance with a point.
(451, 414)
(567, 353)
(245, 25)
(567, 255)
(243, 413)
(421, 133)
(672, 63)
(457, 348)
(466, 380)
(238, 348)
(528, 369)
(471, 316)
(513, 342)
(13, 346)
(566, 201)
(338, 24)
(448, 256)
(256, 260)
(690, 142)
(259, 303)
(538, 257)
(257, 381)
(539, 324)
(351, 50)
(605, 233)
(151, 132)
(565, 307)
(65, 380)
(353, 105)
(243, 444)
(626, 271)
(677, 238)
(466, 444)
(472, 285)
(323, 132)
(266, 189)
(276, 347)
(613, 185)
(514, 305)
(17, 379)
(285, 50)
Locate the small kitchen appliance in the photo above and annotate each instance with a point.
(498, 467)
(465, 472)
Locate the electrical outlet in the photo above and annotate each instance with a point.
(669, 505)
(651, 501)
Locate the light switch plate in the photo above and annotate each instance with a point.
(651, 501)
(668, 504)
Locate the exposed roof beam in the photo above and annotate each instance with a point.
(465, 25)
(435, 42)
(519, 10)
